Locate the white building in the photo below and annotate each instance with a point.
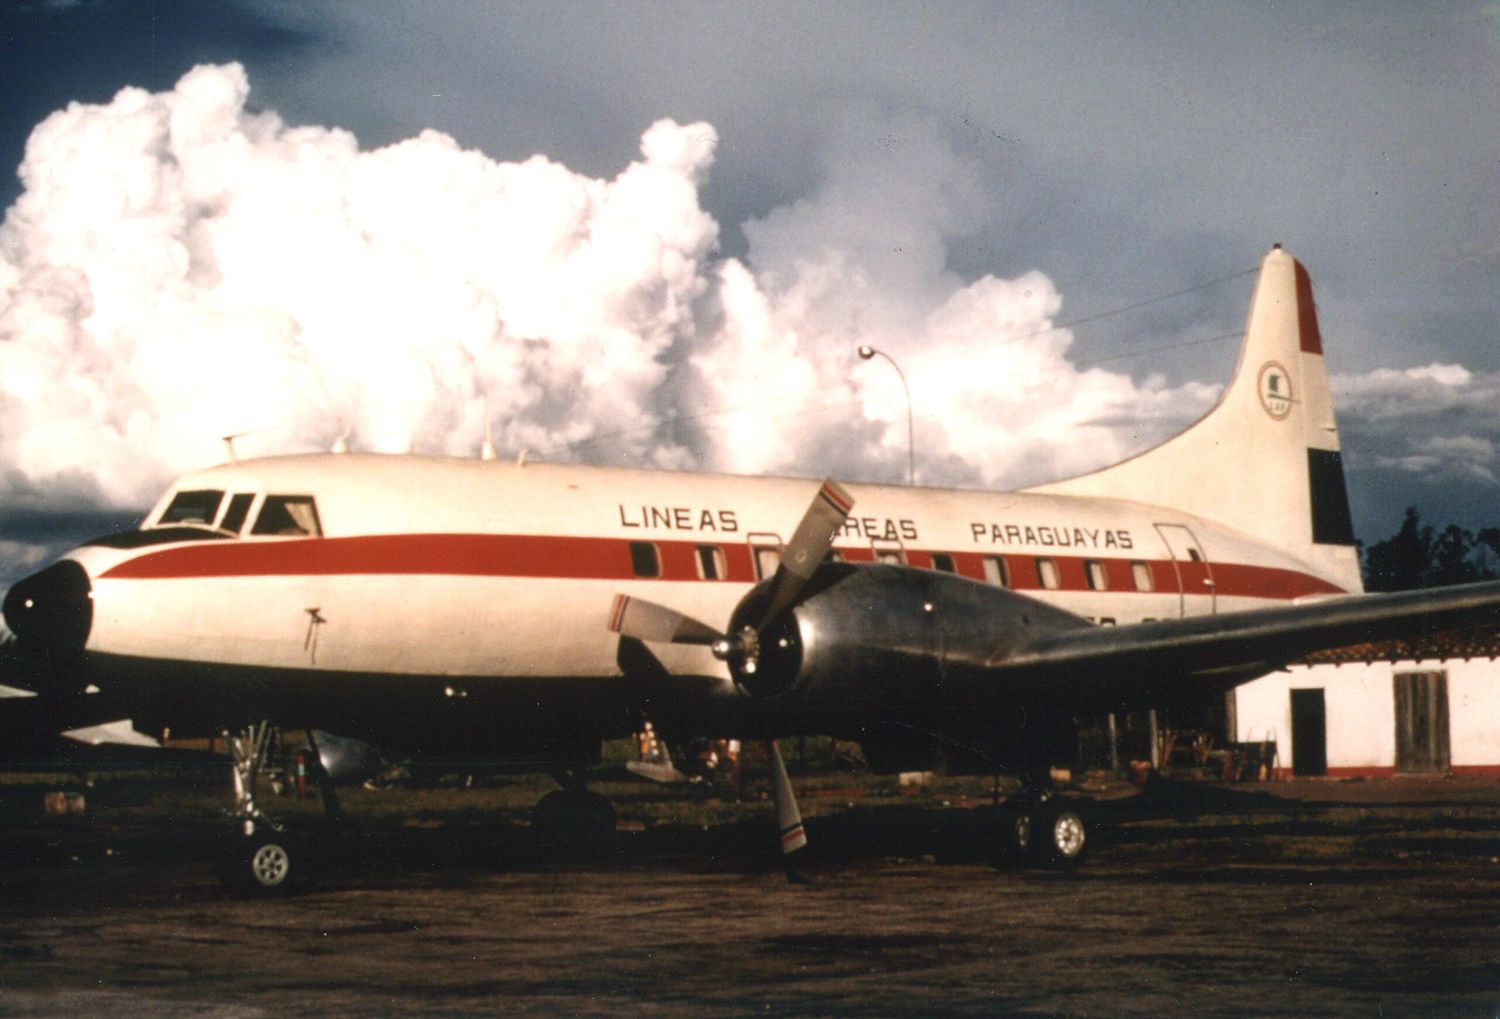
(1376, 719)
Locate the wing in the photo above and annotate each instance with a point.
(1105, 665)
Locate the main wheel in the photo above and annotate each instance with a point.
(576, 821)
(1058, 835)
(1013, 833)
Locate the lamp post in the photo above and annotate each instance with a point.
(865, 353)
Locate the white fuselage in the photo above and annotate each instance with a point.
(487, 570)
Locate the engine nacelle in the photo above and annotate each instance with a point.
(346, 761)
(50, 613)
(886, 639)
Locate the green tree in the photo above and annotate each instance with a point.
(1453, 558)
(1488, 550)
(1400, 562)
(1418, 556)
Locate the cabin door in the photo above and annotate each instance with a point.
(1196, 595)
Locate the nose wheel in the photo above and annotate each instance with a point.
(264, 863)
(258, 859)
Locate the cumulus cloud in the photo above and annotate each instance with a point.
(1436, 422)
(180, 267)
(18, 557)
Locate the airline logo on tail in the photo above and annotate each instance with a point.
(1275, 390)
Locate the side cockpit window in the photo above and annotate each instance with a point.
(239, 509)
(292, 515)
(196, 507)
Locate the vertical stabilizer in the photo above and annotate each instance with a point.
(1265, 460)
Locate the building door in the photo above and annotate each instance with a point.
(1309, 733)
(1422, 721)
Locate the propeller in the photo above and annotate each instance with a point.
(788, 817)
(646, 620)
(638, 620)
(811, 541)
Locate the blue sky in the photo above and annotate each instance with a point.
(1121, 151)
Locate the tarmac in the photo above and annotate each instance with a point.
(1308, 898)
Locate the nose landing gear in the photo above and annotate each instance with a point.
(258, 859)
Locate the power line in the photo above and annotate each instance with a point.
(658, 423)
(1163, 347)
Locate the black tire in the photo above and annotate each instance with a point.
(576, 822)
(1012, 835)
(259, 865)
(1059, 835)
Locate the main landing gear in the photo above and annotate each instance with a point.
(1040, 829)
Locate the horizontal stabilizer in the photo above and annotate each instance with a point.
(117, 733)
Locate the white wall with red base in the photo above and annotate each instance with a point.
(1372, 720)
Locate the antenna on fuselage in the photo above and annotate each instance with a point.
(487, 451)
(228, 441)
(341, 444)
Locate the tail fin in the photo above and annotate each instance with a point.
(1265, 460)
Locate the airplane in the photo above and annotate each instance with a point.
(452, 610)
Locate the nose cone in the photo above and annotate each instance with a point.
(51, 611)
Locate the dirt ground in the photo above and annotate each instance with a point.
(1292, 899)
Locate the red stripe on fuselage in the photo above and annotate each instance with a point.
(465, 555)
(584, 558)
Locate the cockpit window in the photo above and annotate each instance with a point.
(289, 515)
(197, 507)
(239, 509)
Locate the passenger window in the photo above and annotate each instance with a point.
(995, 571)
(710, 562)
(1046, 573)
(888, 555)
(1093, 570)
(1141, 573)
(943, 562)
(645, 561)
(293, 515)
(198, 507)
(239, 509)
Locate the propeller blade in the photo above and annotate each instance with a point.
(645, 620)
(788, 817)
(810, 543)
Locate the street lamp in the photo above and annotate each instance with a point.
(865, 353)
